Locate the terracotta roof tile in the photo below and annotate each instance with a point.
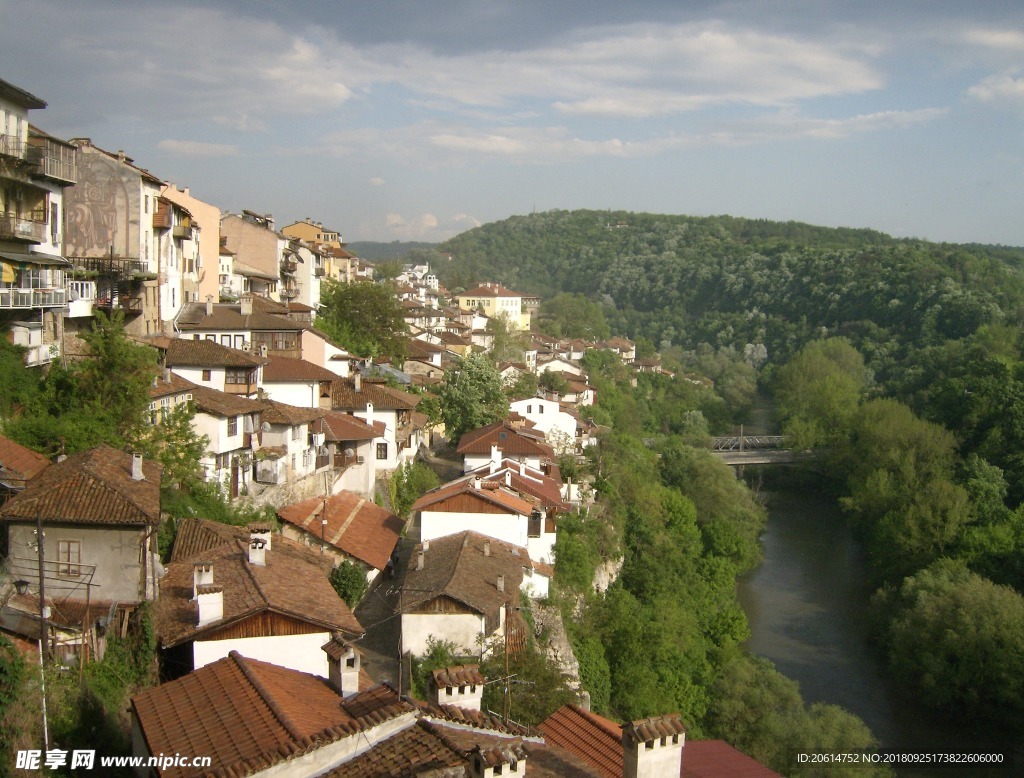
(292, 415)
(189, 352)
(19, 464)
(229, 318)
(339, 427)
(286, 584)
(717, 759)
(489, 492)
(456, 566)
(511, 439)
(282, 369)
(92, 487)
(458, 675)
(383, 397)
(217, 403)
(355, 525)
(249, 715)
(589, 736)
(168, 385)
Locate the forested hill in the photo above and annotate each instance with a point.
(685, 280)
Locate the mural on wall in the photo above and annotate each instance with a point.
(102, 209)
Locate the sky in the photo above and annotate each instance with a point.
(418, 120)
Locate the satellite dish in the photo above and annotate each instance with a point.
(266, 426)
(349, 452)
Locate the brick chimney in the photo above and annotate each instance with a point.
(653, 747)
(343, 663)
(461, 685)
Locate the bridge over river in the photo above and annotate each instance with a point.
(757, 450)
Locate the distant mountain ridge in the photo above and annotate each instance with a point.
(374, 251)
(727, 281)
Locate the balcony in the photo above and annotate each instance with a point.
(121, 269)
(17, 227)
(162, 215)
(182, 229)
(320, 272)
(288, 267)
(12, 146)
(13, 298)
(53, 160)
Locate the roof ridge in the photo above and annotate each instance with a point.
(267, 698)
(87, 466)
(249, 572)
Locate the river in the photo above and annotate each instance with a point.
(807, 605)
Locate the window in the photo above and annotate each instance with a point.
(69, 557)
(237, 376)
(225, 340)
(540, 409)
(207, 375)
(296, 432)
(232, 425)
(54, 223)
(382, 451)
(533, 525)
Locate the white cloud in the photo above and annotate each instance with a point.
(1005, 89)
(190, 148)
(376, 181)
(421, 227)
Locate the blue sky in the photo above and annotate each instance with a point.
(419, 120)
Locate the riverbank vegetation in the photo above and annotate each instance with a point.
(900, 361)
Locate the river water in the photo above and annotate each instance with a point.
(807, 605)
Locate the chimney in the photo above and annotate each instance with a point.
(487, 548)
(209, 305)
(343, 662)
(263, 531)
(202, 575)
(357, 380)
(245, 304)
(419, 561)
(257, 551)
(137, 474)
(495, 457)
(476, 483)
(167, 375)
(508, 478)
(501, 583)
(211, 604)
(461, 685)
(487, 762)
(653, 747)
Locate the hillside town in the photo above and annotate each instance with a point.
(264, 668)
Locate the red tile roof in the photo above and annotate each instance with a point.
(717, 759)
(249, 715)
(92, 487)
(19, 464)
(355, 525)
(217, 403)
(489, 492)
(591, 737)
(292, 415)
(510, 439)
(284, 369)
(169, 385)
(340, 427)
(383, 397)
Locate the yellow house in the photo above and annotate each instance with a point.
(495, 300)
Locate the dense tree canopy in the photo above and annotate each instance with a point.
(471, 396)
(364, 317)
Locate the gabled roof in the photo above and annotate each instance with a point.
(228, 317)
(287, 584)
(526, 481)
(383, 397)
(169, 384)
(93, 487)
(19, 464)
(249, 715)
(195, 536)
(490, 290)
(188, 352)
(355, 525)
(511, 439)
(457, 566)
(598, 742)
(217, 403)
(339, 427)
(289, 369)
(292, 415)
(491, 492)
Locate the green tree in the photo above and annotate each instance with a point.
(410, 482)
(553, 382)
(349, 581)
(172, 441)
(572, 315)
(508, 344)
(471, 396)
(958, 640)
(364, 317)
(818, 390)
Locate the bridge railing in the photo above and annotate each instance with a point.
(750, 442)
